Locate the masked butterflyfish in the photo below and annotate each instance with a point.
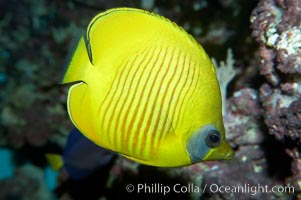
(143, 87)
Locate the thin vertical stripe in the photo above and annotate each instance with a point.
(125, 134)
(102, 104)
(155, 138)
(114, 96)
(122, 114)
(141, 137)
(134, 133)
(166, 130)
(149, 136)
(192, 88)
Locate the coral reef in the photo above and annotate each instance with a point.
(277, 28)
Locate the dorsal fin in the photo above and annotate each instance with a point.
(78, 61)
(100, 16)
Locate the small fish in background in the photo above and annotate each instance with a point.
(145, 88)
(81, 157)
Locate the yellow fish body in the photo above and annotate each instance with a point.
(145, 88)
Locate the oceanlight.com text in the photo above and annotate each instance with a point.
(159, 188)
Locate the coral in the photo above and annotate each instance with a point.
(280, 49)
(282, 113)
(242, 118)
(276, 27)
(295, 180)
(225, 73)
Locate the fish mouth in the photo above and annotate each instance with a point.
(228, 151)
(229, 155)
(223, 152)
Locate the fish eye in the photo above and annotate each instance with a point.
(213, 139)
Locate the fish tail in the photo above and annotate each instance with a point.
(56, 161)
(79, 59)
